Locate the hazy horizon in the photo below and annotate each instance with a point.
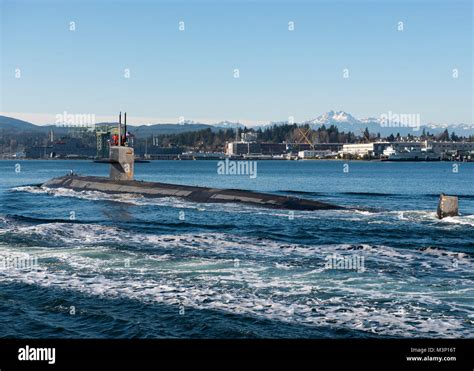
(50, 119)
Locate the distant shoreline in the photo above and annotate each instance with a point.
(242, 159)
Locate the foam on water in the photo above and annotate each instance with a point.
(410, 286)
(396, 295)
(92, 234)
(462, 220)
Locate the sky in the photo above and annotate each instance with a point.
(353, 56)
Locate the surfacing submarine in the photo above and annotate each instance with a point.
(120, 180)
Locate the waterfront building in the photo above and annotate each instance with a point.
(445, 147)
(392, 153)
(374, 150)
(253, 148)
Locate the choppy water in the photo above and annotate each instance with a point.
(126, 266)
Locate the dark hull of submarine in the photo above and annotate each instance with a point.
(191, 193)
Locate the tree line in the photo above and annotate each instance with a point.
(211, 140)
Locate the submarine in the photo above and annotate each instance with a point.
(121, 180)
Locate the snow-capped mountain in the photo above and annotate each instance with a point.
(346, 122)
(334, 117)
(386, 124)
(229, 125)
(390, 124)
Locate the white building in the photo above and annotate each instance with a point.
(365, 149)
(362, 149)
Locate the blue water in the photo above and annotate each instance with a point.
(124, 266)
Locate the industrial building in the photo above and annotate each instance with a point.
(444, 147)
(429, 150)
(63, 148)
(253, 148)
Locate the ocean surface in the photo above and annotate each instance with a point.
(122, 266)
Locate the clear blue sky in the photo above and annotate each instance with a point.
(282, 73)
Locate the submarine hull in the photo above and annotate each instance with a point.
(191, 193)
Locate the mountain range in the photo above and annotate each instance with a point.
(385, 125)
(19, 126)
